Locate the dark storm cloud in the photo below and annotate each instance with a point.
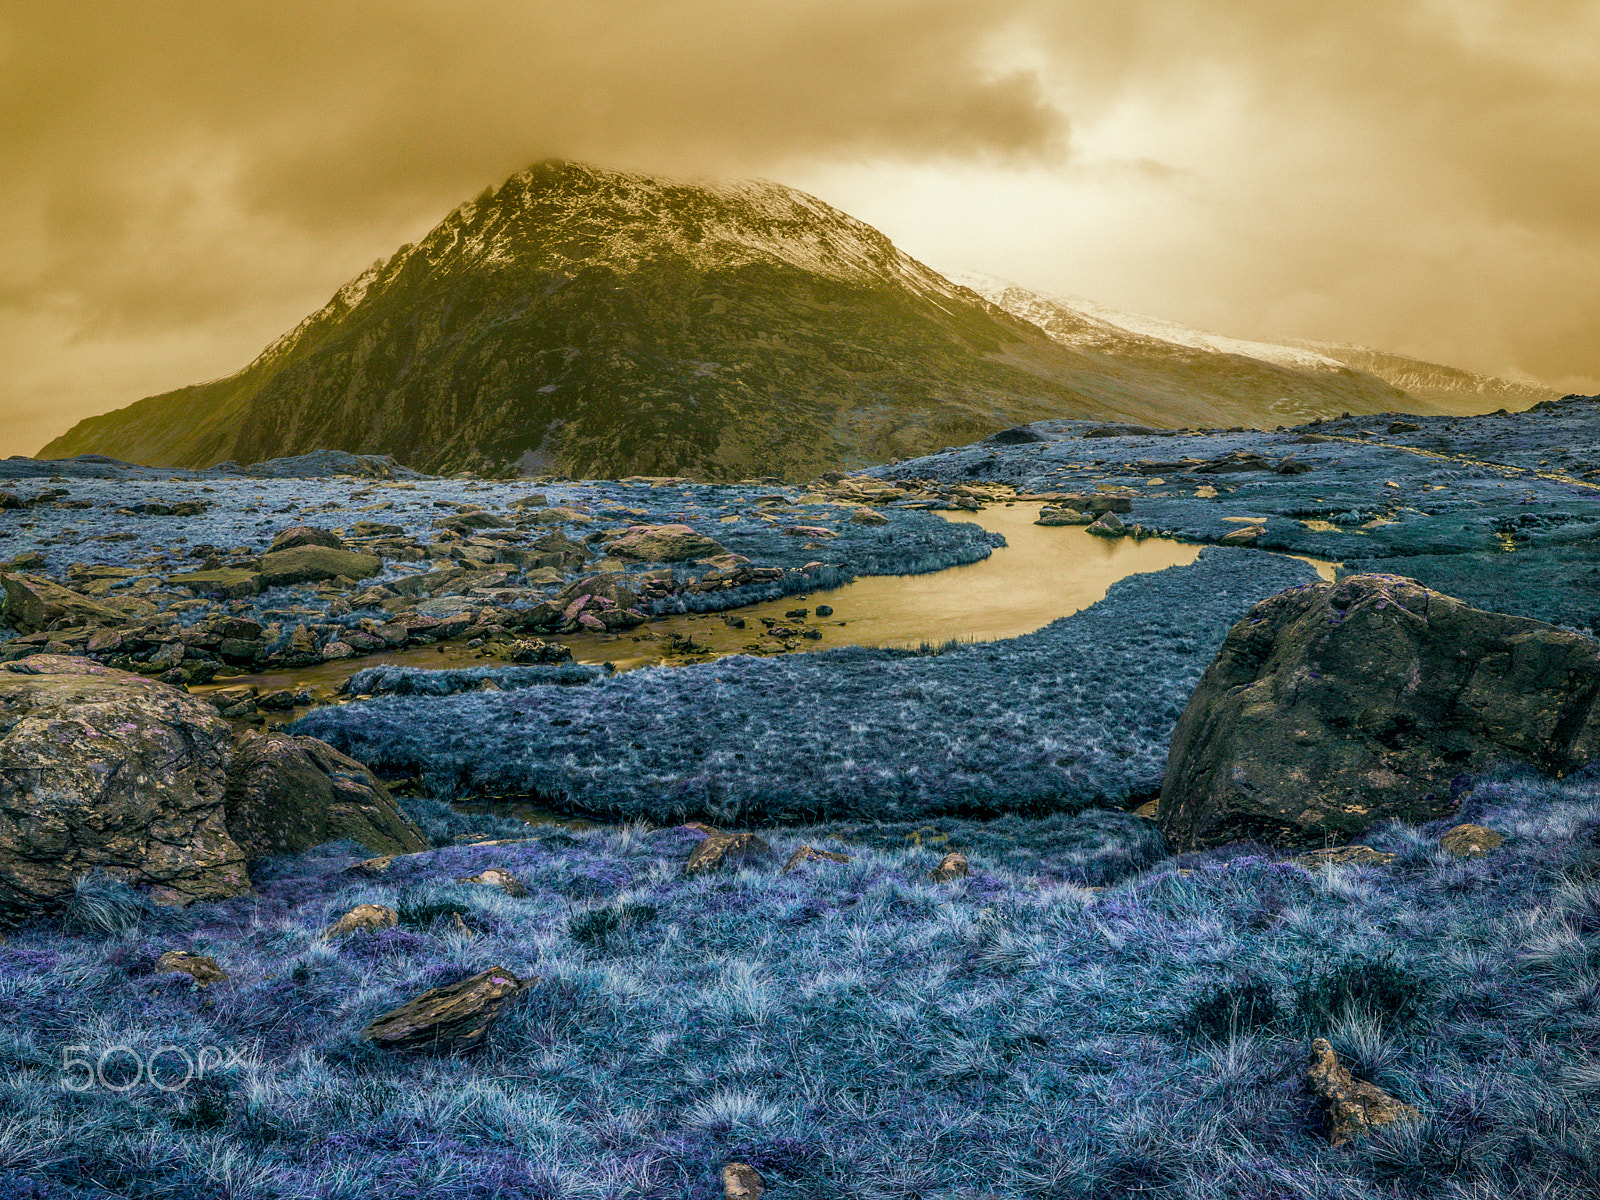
(185, 178)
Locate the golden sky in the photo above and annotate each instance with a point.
(181, 182)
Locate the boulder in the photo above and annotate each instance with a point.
(103, 769)
(307, 535)
(663, 543)
(446, 1019)
(951, 866)
(1353, 1105)
(312, 564)
(286, 794)
(1332, 707)
(32, 604)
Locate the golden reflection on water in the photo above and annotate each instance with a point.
(1041, 574)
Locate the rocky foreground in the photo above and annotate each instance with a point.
(238, 964)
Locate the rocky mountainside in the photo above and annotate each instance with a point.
(598, 323)
(1281, 382)
(1449, 390)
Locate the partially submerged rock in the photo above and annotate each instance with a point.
(447, 1019)
(1353, 1105)
(104, 769)
(1332, 707)
(286, 794)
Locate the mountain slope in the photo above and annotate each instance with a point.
(600, 323)
(1321, 371)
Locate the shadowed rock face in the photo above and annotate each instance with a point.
(101, 768)
(286, 794)
(1332, 707)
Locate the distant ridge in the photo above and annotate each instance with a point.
(592, 322)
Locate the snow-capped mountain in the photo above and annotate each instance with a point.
(596, 322)
(1428, 387)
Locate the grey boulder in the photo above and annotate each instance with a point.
(1332, 707)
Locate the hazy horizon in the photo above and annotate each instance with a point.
(185, 182)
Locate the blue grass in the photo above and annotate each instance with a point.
(1076, 714)
(850, 1029)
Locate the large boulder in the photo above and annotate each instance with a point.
(32, 604)
(102, 769)
(312, 564)
(663, 543)
(1332, 707)
(286, 794)
(306, 535)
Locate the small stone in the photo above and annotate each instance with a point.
(741, 1181)
(1470, 841)
(497, 877)
(1353, 1105)
(1243, 537)
(807, 854)
(448, 1019)
(1344, 856)
(202, 968)
(371, 866)
(364, 916)
(1108, 525)
(951, 866)
(723, 849)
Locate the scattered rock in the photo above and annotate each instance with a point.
(448, 1019)
(1108, 525)
(202, 968)
(721, 850)
(951, 866)
(1353, 1105)
(363, 916)
(106, 769)
(310, 535)
(1332, 707)
(1064, 516)
(1344, 856)
(824, 610)
(741, 1181)
(1243, 537)
(809, 854)
(314, 563)
(1403, 427)
(1470, 841)
(866, 516)
(497, 877)
(664, 543)
(286, 794)
(33, 604)
(1017, 435)
(371, 866)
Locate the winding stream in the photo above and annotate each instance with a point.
(1041, 574)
